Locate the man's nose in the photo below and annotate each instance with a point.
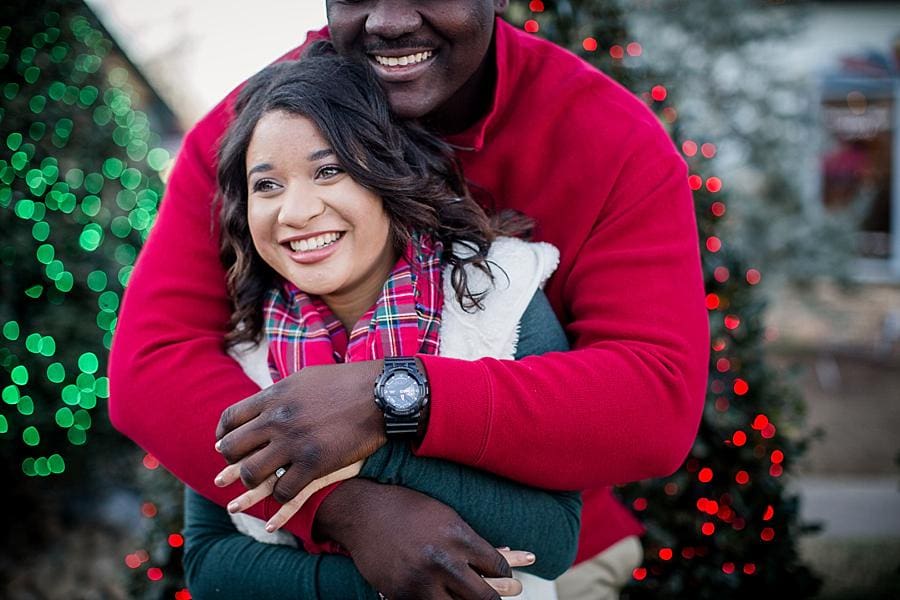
(393, 18)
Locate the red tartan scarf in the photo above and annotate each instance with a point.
(404, 321)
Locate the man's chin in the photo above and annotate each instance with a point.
(407, 104)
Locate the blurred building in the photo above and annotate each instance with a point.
(848, 333)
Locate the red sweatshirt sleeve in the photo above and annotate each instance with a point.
(626, 402)
(170, 378)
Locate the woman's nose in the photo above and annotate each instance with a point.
(300, 207)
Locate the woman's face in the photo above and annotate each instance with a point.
(312, 223)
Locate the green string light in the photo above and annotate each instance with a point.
(80, 181)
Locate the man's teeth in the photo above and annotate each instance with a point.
(320, 241)
(402, 61)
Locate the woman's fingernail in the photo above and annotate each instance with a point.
(270, 527)
(530, 557)
(220, 481)
(219, 446)
(234, 507)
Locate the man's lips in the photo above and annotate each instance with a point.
(401, 65)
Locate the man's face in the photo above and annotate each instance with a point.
(425, 52)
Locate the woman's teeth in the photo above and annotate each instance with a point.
(402, 61)
(315, 243)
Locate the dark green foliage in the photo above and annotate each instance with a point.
(80, 163)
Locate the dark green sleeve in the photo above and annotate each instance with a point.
(503, 512)
(221, 562)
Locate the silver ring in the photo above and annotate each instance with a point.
(280, 471)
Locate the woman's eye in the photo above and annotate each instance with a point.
(328, 171)
(264, 185)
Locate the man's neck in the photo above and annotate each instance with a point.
(470, 103)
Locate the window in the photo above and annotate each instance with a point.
(861, 163)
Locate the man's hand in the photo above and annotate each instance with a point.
(410, 546)
(312, 423)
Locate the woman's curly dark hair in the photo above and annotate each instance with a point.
(415, 173)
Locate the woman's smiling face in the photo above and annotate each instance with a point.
(309, 220)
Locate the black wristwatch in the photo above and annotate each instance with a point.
(401, 392)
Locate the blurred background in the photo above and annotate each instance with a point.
(786, 113)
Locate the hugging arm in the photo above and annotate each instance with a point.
(220, 562)
(503, 512)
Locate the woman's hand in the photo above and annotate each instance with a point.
(232, 473)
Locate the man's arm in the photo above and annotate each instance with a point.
(220, 562)
(623, 405)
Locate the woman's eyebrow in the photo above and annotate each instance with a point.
(258, 168)
(320, 154)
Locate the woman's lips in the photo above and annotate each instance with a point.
(307, 257)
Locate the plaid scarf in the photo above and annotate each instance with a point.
(404, 321)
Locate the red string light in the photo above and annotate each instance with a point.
(732, 322)
(753, 276)
(708, 150)
(689, 148)
(659, 93)
(589, 44)
(532, 26)
(640, 573)
(770, 512)
(665, 554)
(723, 365)
(183, 594)
(740, 387)
(536, 6)
(712, 301)
(760, 422)
(739, 438)
(777, 457)
(742, 477)
(150, 461)
(695, 182)
(713, 184)
(721, 274)
(148, 509)
(617, 52)
(749, 569)
(705, 475)
(639, 504)
(728, 568)
(713, 244)
(717, 208)
(708, 528)
(634, 49)
(767, 534)
(154, 574)
(175, 540)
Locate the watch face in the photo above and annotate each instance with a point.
(401, 391)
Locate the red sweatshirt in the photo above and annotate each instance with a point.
(562, 143)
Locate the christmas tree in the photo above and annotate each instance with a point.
(80, 181)
(723, 525)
